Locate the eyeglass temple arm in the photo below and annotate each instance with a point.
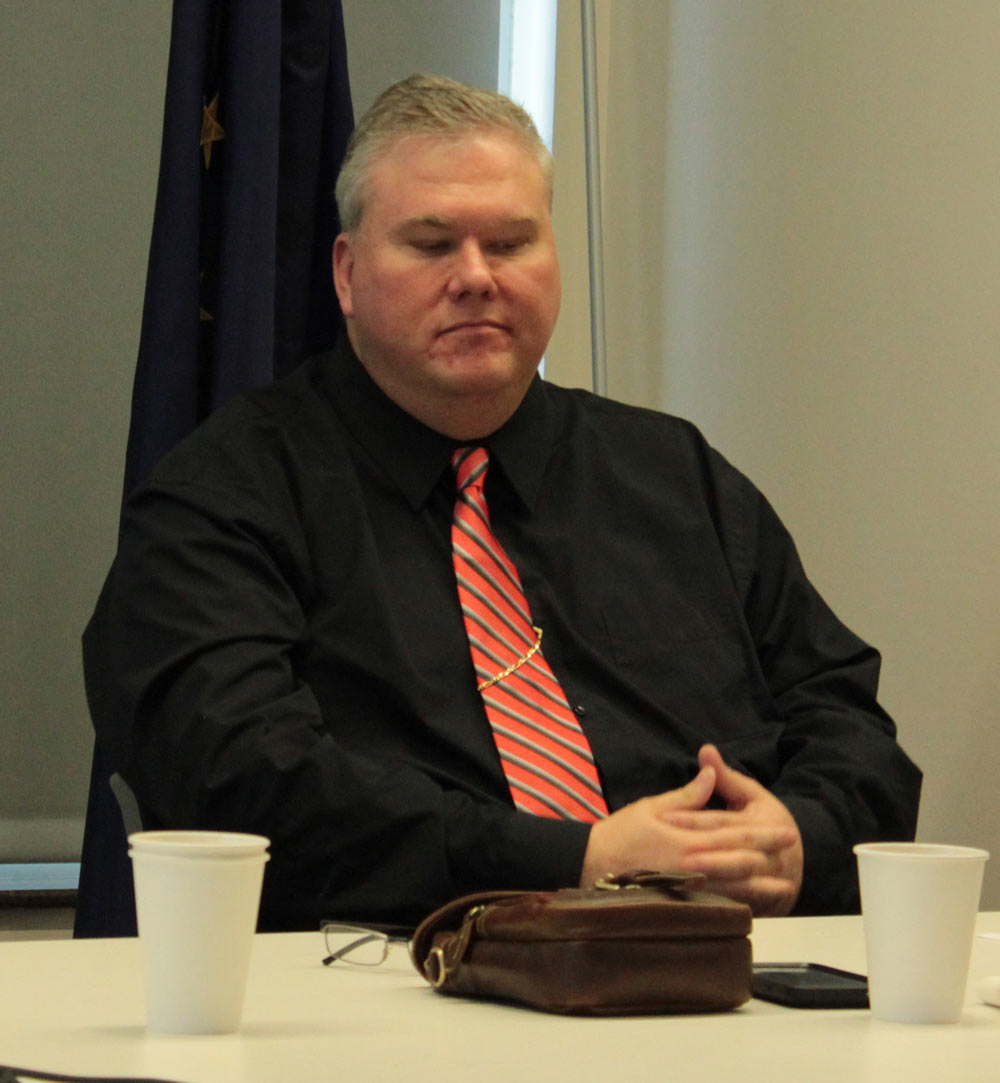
(348, 948)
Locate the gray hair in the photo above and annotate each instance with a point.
(428, 105)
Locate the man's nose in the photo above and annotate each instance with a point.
(471, 272)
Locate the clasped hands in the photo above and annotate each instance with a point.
(750, 851)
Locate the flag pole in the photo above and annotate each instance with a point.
(595, 239)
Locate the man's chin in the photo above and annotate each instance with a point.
(464, 402)
(479, 373)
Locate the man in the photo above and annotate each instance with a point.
(283, 643)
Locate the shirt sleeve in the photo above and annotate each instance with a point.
(840, 772)
(193, 679)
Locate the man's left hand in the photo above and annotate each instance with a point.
(768, 880)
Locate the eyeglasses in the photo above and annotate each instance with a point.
(357, 945)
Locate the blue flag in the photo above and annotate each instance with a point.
(239, 288)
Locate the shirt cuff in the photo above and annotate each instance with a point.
(829, 874)
(523, 852)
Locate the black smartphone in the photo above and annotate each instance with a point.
(809, 985)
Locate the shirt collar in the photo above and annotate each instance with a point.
(523, 445)
(413, 455)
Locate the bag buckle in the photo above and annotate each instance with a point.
(671, 882)
(444, 958)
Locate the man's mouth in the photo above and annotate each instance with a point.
(472, 326)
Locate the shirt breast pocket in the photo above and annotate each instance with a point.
(691, 662)
(639, 631)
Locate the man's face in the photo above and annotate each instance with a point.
(450, 286)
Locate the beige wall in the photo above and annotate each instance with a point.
(390, 39)
(802, 254)
(81, 86)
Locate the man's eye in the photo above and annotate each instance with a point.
(432, 248)
(506, 248)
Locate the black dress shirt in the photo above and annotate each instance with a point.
(279, 646)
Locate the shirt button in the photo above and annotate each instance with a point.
(579, 710)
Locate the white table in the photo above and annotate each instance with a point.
(77, 1007)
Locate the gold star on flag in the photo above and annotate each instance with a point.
(211, 130)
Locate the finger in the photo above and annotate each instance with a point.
(767, 896)
(735, 788)
(694, 795)
(727, 866)
(767, 840)
(770, 836)
(710, 756)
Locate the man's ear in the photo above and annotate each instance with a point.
(343, 269)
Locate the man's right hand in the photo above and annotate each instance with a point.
(642, 836)
(636, 837)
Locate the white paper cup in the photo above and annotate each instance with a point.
(197, 895)
(919, 904)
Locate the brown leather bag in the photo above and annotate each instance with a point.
(636, 944)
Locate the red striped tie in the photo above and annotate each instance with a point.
(545, 755)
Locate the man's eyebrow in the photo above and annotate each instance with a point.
(428, 221)
(437, 222)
